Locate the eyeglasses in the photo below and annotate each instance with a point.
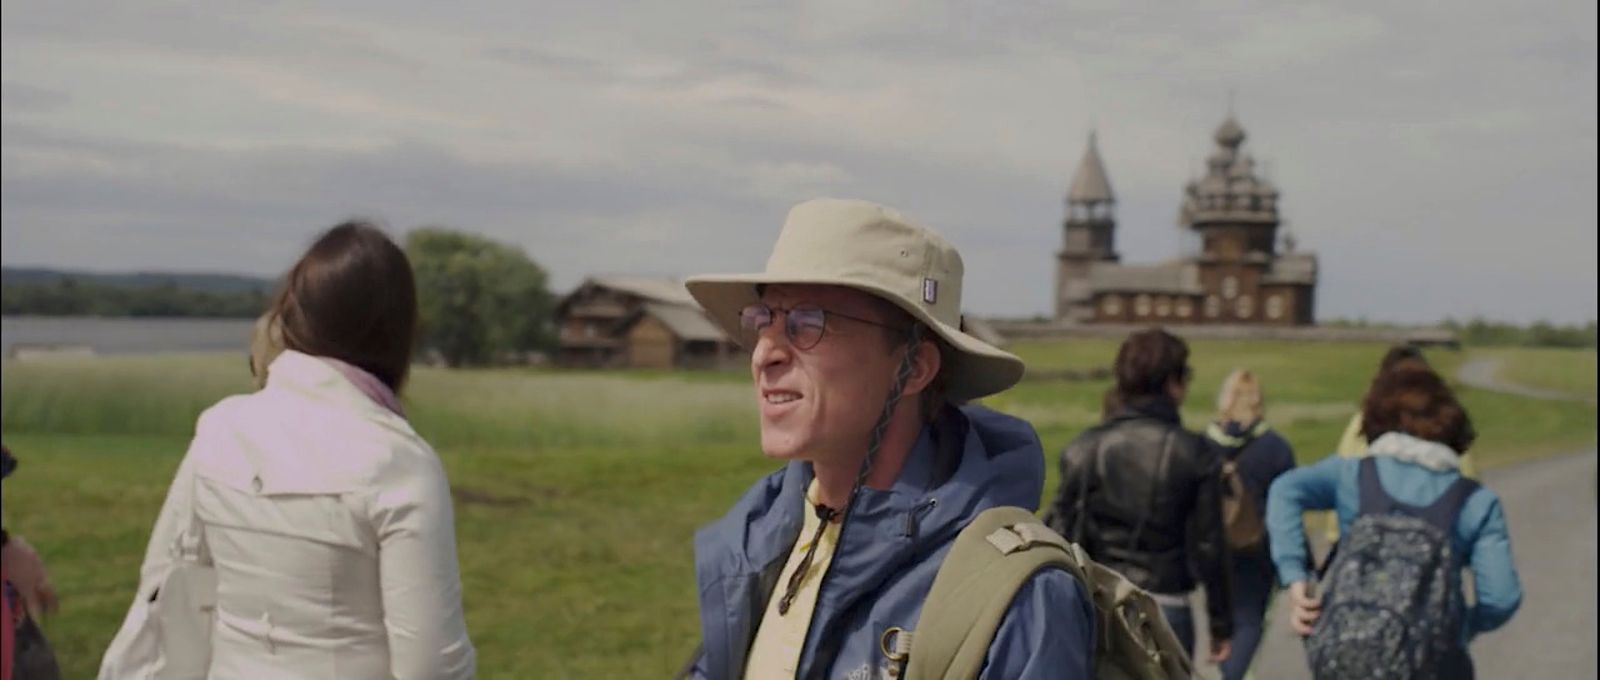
(804, 325)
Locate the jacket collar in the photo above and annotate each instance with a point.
(318, 378)
(1159, 407)
(997, 461)
(1233, 434)
(773, 529)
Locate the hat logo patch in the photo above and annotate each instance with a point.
(930, 291)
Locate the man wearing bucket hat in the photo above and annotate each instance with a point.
(859, 360)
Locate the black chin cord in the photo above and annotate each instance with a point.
(908, 363)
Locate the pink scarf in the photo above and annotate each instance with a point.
(369, 385)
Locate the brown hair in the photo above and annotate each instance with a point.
(1110, 404)
(1149, 360)
(1419, 403)
(352, 297)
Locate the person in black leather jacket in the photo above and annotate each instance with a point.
(1142, 495)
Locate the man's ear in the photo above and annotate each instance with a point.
(924, 369)
(1177, 389)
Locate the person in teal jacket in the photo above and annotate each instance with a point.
(1418, 431)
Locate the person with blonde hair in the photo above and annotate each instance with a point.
(1253, 455)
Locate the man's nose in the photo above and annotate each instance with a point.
(772, 346)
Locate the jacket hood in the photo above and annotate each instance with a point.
(1428, 454)
(1000, 462)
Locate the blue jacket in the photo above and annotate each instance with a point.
(889, 549)
(1480, 532)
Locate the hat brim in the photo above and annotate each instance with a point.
(977, 369)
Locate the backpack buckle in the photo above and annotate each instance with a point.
(1023, 536)
(895, 643)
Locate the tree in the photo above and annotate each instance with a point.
(479, 299)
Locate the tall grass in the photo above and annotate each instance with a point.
(540, 412)
(146, 395)
(530, 410)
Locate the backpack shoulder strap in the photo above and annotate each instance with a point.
(1092, 470)
(1443, 512)
(1156, 481)
(991, 559)
(1374, 500)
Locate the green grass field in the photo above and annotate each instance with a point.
(576, 493)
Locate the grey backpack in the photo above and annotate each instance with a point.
(1392, 604)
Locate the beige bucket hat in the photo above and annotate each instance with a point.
(876, 250)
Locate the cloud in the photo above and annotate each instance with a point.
(1440, 158)
(24, 98)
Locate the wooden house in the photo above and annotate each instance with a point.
(633, 322)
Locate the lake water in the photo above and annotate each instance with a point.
(126, 335)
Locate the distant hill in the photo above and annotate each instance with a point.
(208, 283)
(32, 291)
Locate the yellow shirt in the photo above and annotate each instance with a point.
(1352, 444)
(780, 637)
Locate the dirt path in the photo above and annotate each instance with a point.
(1483, 373)
(1551, 507)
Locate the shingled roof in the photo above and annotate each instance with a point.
(660, 290)
(1089, 183)
(686, 322)
(1180, 278)
(1293, 268)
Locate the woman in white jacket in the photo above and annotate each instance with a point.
(324, 519)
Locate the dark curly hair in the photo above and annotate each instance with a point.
(1416, 401)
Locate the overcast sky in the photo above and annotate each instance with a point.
(1439, 157)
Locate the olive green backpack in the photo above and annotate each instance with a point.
(991, 559)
